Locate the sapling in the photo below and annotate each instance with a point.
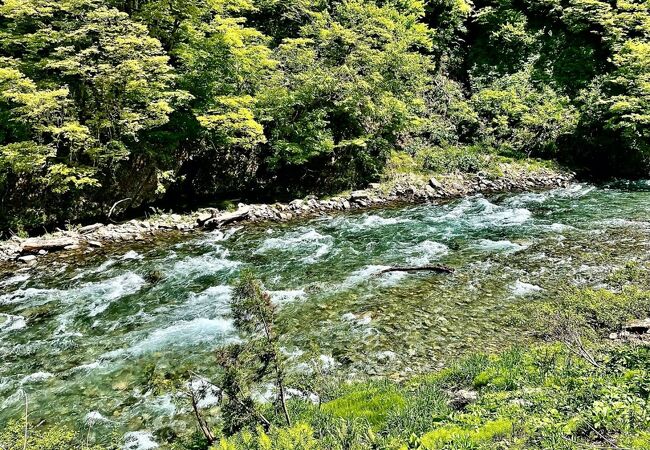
(252, 361)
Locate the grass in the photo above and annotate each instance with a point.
(559, 394)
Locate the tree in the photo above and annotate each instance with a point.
(256, 359)
(349, 85)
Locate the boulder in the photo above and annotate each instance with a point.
(462, 398)
(359, 195)
(27, 259)
(435, 184)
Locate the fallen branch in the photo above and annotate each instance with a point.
(226, 218)
(437, 269)
(115, 205)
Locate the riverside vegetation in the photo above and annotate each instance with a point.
(178, 101)
(583, 388)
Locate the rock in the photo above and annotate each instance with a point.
(154, 276)
(462, 398)
(374, 186)
(27, 259)
(638, 326)
(90, 228)
(71, 247)
(43, 252)
(52, 244)
(95, 244)
(345, 204)
(359, 195)
(435, 184)
(296, 204)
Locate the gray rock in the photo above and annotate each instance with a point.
(435, 184)
(462, 398)
(638, 326)
(27, 259)
(95, 244)
(90, 228)
(359, 195)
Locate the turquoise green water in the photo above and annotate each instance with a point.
(85, 341)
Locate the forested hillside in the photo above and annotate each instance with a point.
(183, 100)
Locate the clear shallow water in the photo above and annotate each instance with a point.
(87, 341)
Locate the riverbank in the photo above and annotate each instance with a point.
(399, 188)
(582, 388)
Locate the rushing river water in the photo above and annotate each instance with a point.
(85, 340)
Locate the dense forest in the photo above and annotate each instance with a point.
(182, 100)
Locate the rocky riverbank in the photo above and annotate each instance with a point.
(402, 188)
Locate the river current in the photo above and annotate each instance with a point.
(83, 341)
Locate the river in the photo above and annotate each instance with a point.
(84, 341)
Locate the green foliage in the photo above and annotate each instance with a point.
(349, 85)
(13, 437)
(517, 117)
(555, 399)
(100, 100)
(372, 405)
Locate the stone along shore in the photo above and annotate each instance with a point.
(400, 189)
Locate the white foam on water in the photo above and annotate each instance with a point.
(30, 296)
(182, 334)
(528, 198)
(519, 288)
(478, 212)
(36, 377)
(103, 267)
(361, 320)
(426, 251)
(374, 221)
(509, 217)
(139, 440)
(95, 417)
(206, 264)
(296, 393)
(208, 394)
(12, 323)
(106, 292)
(132, 255)
(287, 295)
(88, 367)
(327, 362)
(503, 245)
(163, 406)
(15, 279)
(300, 241)
(214, 300)
(560, 227)
(363, 274)
(575, 190)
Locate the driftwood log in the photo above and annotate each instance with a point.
(35, 245)
(436, 269)
(226, 218)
